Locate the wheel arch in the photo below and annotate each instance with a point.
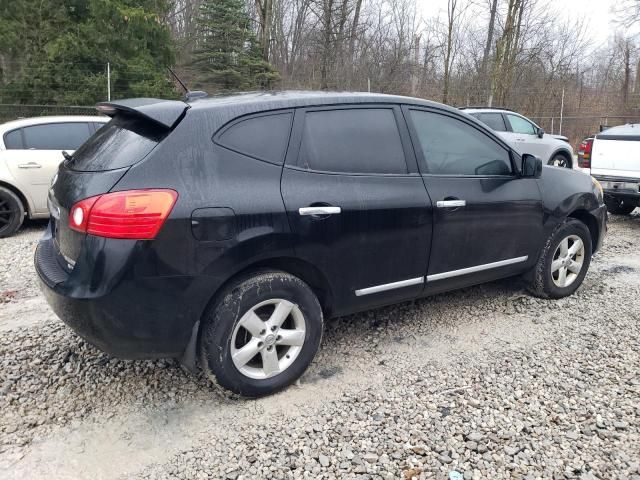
(591, 223)
(302, 269)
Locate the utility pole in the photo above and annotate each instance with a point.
(108, 82)
(561, 110)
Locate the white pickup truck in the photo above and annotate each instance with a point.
(613, 158)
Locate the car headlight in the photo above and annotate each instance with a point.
(598, 189)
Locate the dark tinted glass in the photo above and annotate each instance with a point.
(452, 147)
(120, 143)
(265, 137)
(364, 140)
(495, 121)
(13, 140)
(56, 136)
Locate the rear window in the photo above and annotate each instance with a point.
(122, 142)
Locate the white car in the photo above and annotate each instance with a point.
(525, 136)
(30, 152)
(613, 158)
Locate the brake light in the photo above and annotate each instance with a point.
(132, 214)
(584, 153)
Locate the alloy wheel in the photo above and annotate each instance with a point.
(268, 338)
(7, 213)
(560, 161)
(567, 261)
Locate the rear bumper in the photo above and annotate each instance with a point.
(124, 315)
(628, 187)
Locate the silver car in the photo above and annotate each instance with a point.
(30, 152)
(525, 136)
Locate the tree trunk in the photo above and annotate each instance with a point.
(487, 45)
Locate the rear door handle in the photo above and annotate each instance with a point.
(451, 203)
(319, 210)
(30, 165)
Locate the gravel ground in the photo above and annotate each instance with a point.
(487, 382)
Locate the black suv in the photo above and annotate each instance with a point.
(228, 228)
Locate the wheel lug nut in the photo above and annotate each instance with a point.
(279, 337)
(260, 344)
(263, 331)
(273, 329)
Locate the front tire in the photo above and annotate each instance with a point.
(11, 212)
(620, 206)
(261, 334)
(564, 261)
(561, 160)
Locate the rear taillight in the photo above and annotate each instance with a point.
(584, 153)
(133, 214)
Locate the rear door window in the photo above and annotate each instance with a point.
(494, 121)
(264, 137)
(56, 136)
(123, 141)
(13, 140)
(361, 140)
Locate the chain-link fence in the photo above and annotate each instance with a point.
(577, 127)
(14, 112)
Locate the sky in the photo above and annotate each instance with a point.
(596, 14)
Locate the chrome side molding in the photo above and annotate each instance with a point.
(477, 268)
(389, 286)
(439, 276)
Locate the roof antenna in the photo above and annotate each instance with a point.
(188, 94)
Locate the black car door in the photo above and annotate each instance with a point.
(488, 221)
(357, 204)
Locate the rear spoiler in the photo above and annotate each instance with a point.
(165, 113)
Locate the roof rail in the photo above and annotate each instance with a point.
(486, 108)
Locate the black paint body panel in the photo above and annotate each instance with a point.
(236, 213)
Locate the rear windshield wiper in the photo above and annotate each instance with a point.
(66, 155)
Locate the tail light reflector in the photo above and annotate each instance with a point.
(132, 214)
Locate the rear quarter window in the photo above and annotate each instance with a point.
(13, 140)
(264, 137)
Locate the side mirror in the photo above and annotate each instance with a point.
(531, 166)
(540, 132)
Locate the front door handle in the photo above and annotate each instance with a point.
(30, 165)
(320, 210)
(451, 203)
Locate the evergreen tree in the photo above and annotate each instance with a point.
(56, 51)
(227, 55)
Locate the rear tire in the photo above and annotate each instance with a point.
(620, 206)
(261, 334)
(564, 261)
(11, 212)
